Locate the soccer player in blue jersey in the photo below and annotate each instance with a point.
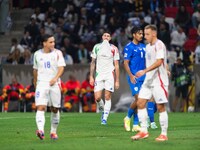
(134, 60)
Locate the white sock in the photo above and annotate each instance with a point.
(40, 120)
(163, 118)
(100, 104)
(107, 108)
(55, 119)
(142, 116)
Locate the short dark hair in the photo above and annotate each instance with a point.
(46, 37)
(152, 27)
(135, 29)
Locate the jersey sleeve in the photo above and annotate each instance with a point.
(127, 53)
(61, 61)
(160, 48)
(35, 65)
(94, 52)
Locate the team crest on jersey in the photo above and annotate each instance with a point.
(136, 88)
(125, 54)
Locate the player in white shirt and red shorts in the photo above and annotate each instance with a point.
(48, 67)
(105, 59)
(155, 84)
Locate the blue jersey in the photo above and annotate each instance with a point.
(136, 56)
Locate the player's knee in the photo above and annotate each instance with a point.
(54, 110)
(141, 104)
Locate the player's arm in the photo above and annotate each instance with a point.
(116, 63)
(155, 65)
(58, 75)
(35, 76)
(92, 69)
(127, 68)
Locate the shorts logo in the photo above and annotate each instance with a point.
(136, 88)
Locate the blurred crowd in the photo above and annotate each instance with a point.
(76, 96)
(78, 25)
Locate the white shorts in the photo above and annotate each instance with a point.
(104, 84)
(159, 93)
(48, 95)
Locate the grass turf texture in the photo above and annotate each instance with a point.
(84, 132)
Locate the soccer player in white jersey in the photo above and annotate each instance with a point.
(155, 84)
(105, 59)
(47, 69)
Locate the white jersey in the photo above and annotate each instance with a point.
(159, 75)
(105, 55)
(47, 64)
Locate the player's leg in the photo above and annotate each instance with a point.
(55, 104)
(133, 107)
(151, 106)
(160, 95)
(99, 86)
(41, 103)
(109, 89)
(144, 94)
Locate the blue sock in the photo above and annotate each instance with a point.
(135, 119)
(130, 112)
(151, 110)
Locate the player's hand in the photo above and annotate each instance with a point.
(117, 85)
(133, 79)
(140, 73)
(91, 81)
(53, 81)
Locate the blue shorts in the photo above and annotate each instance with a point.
(135, 88)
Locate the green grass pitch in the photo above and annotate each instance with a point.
(83, 131)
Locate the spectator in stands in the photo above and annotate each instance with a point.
(58, 35)
(33, 29)
(70, 49)
(43, 5)
(30, 97)
(196, 17)
(72, 93)
(83, 54)
(197, 53)
(13, 91)
(27, 56)
(26, 41)
(164, 35)
(71, 15)
(59, 6)
(178, 38)
(182, 79)
(16, 53)
(49, 26)
(38, 38)
(38, 16)
(183, 18)
(87, 95)
(67, 57)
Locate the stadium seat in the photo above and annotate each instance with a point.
(190, 45)
(171, 12)
(190, 10)
(192, 34)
